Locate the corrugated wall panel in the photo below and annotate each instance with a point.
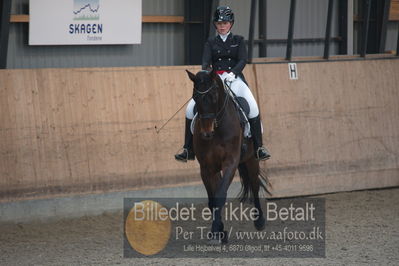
(162, 44)
(392, 37)
(310, 22)
(150, 7)
(163, 7)
(392, 31)
(159, 43)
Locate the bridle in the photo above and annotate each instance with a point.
(217, 117)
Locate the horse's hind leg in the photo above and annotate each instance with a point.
(255, 183)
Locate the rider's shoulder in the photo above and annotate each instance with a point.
(238, 38)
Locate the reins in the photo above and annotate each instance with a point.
(222, 110)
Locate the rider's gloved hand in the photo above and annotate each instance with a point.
(230, 77)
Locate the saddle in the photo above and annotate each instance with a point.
(243, 111)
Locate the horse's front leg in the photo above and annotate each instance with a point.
(210, 178)
(219, 199)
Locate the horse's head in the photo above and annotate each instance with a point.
(207, 94)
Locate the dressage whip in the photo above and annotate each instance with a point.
(159, 130)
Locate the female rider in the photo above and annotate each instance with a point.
(227, 54)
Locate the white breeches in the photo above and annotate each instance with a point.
(240, 89)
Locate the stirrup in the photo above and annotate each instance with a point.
(262, 154)
(185, 156)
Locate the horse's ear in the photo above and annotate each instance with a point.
(190, 75)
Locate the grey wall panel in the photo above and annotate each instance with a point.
(392, 31)
(310, 22)
(150, 7)
(392, 36)
(20, 7)
(163, 7)
(162, 44)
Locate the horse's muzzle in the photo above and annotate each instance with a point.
(207, 129)
(207, 135)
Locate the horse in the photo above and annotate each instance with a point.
(217, 142)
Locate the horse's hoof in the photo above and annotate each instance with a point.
(260, 223)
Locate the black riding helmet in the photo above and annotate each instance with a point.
(223, 13)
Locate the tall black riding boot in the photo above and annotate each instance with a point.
(188, 153)
(261, 153)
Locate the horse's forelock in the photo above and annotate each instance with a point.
(203, 77)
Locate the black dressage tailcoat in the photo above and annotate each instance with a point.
(230, 56)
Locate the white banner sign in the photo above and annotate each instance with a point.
(63, 22)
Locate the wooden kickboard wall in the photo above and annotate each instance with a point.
(336, 128)
(73, 131)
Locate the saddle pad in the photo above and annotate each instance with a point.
(193, 123)
(247, 127)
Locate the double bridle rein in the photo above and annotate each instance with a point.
(216, 116)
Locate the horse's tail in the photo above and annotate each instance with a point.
(246, 179)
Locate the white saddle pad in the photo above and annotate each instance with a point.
(247, 129)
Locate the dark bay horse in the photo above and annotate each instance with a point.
(218, 139)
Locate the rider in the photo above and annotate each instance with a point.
(227, 54)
